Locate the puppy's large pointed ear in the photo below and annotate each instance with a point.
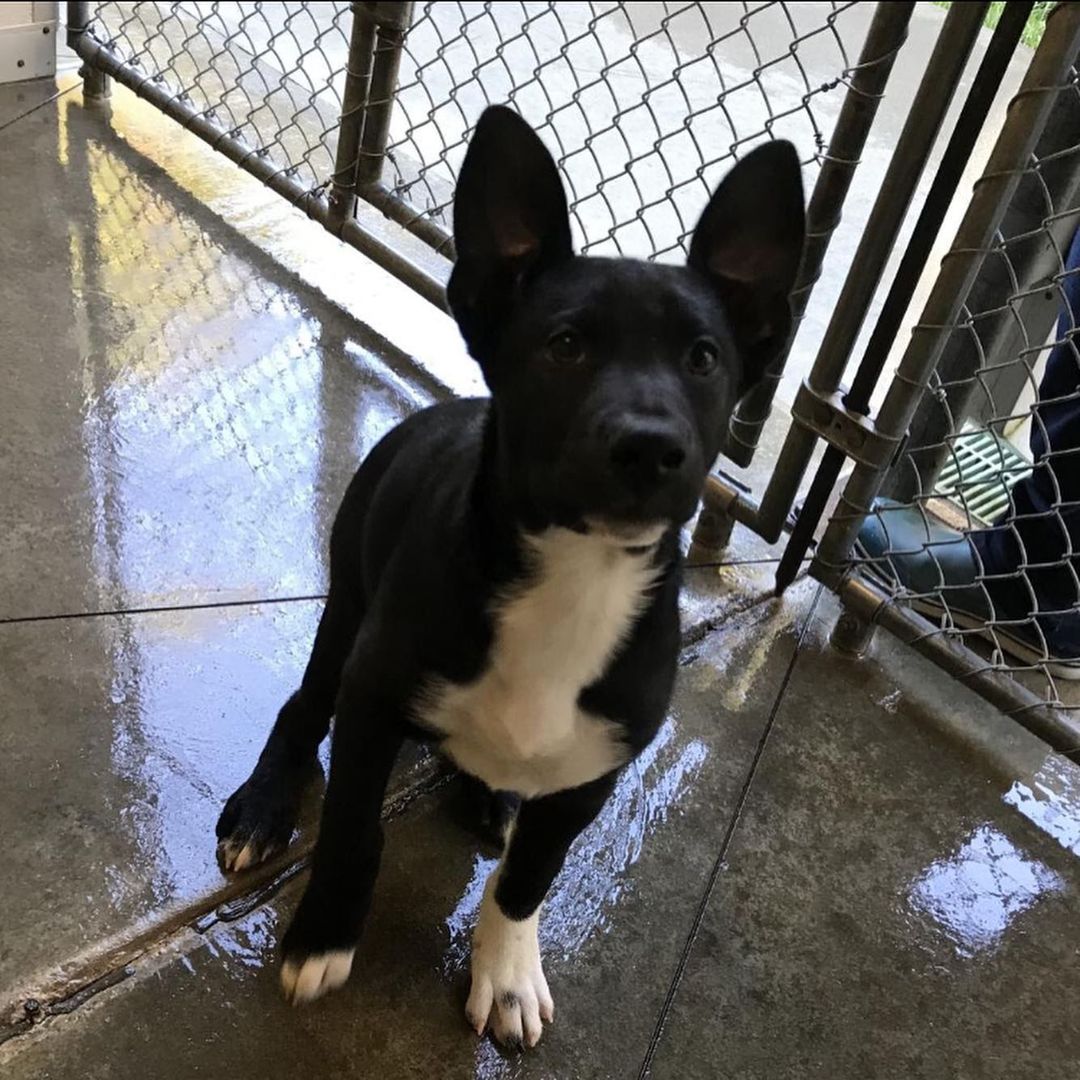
(510, 222)
(749, 244)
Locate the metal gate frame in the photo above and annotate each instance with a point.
(824, 411)
(869, 605)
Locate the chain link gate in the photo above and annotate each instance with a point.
(341, 108)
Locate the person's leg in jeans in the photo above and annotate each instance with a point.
(1041, 530)
(1020, 574)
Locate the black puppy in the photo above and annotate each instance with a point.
(504, 573)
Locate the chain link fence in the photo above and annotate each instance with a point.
(978, 526)
(958, 524)
(269, 75)
(967, 543)
(644, 105)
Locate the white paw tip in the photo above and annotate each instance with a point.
(314, 976)
(235, 858)
(244, 859)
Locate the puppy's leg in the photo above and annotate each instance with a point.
(489, 814)
(319, 944)
(509, 991)
(259, 817)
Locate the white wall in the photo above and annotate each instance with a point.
(13, 14)
(27, 39)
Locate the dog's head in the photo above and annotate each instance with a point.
(613, 379)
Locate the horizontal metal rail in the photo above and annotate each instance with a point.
(1060, 730)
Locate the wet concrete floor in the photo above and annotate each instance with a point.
(822, 867)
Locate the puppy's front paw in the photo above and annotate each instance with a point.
(305, 978)
(259, 817)
(317, 949)
(509, 993)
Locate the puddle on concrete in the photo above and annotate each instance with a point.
(180, 752)
(125, 763)
(200, 416)
(975, 894)
(1051, 801)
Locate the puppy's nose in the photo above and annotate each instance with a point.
(648, 452)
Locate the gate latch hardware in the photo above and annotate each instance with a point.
(827, 415)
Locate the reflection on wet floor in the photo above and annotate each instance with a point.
(1051, 800)
(204, 416)
(122, 758)
(249, 946)
(975, 894)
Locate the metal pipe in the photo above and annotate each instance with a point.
(96, 84)
(351, 231)
(408, 217)
(969, 124)
(940, 79)
(391, 21)
(1013, 302)
(354, 98)
(886, 34)
(78, 18)
(1024, 123)
(1050, 724)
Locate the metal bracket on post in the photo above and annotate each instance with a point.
(97, 86)
(826, 415)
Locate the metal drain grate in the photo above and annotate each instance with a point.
(981, 469)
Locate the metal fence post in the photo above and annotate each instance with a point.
(886, 35)
(1033, 238)
(358, 69)
(375, 43)
(957, 153)
(392, 21)
(936, 89)
(1019, 136)
(96, 84)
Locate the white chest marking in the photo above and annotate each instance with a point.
(518, 726)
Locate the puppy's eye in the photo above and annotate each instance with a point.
(703, 357)
(566, 347)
